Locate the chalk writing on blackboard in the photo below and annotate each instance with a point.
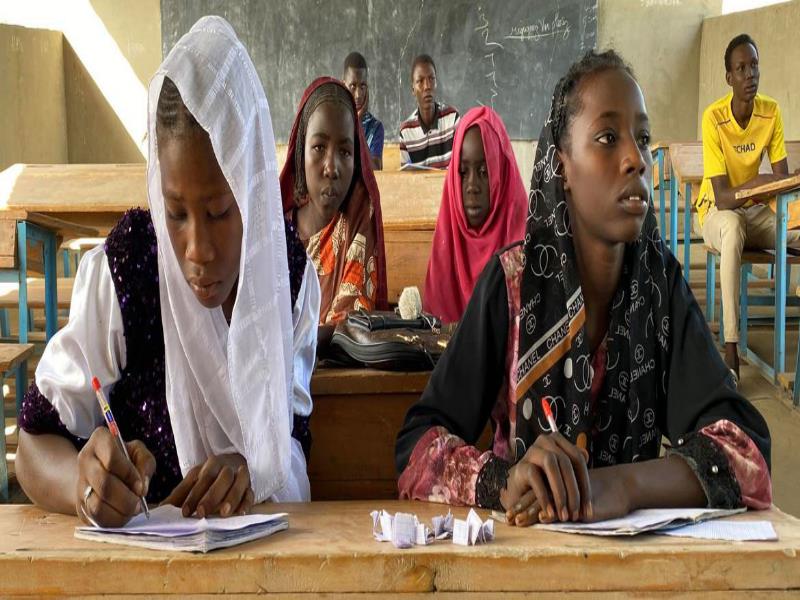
(488, 58)
(558, 27)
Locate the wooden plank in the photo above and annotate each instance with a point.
(686, 159)
(410, 196)
(759, 257)
(407, 256)
(64, 229)
(329, 548)
(329, 382)
(774, 188)
(13, 354)
(8, 238)
(9, 293)
(76, 188)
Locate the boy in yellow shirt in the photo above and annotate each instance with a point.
(737, 130)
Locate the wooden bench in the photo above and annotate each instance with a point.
(12, 356)
(9, 293)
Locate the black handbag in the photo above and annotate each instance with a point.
(384, 340)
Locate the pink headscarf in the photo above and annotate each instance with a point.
(459, 254)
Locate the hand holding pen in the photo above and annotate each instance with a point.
(113, 476)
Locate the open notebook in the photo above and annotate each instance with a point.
(642, 521)
(167, 529)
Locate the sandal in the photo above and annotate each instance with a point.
(735, 379)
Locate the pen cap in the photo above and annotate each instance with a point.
(95, 384)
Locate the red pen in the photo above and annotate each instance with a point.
(112, 427)
(549, 414)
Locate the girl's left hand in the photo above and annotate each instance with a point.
(221, 485)
(611, 498)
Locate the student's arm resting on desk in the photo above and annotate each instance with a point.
(720, 442)
(435, 451)
(61, 444)
(725, 195)
(717, 431)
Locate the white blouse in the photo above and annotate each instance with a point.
(93, 344)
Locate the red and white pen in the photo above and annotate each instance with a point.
(112, 427)
(549, 414)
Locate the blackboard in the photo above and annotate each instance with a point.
(507, 54)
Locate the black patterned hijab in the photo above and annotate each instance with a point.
(554, 356)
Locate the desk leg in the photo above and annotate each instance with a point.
(50, 284)
(673, 216)
(687, 230)
(780, 284)
(24, 325)
(743, 307)
(662, 204)
(711, 285)
(3, 461)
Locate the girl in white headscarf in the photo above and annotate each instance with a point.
(199, 318)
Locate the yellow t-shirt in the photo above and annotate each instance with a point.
(730, 150)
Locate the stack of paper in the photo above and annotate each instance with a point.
(640, 521)
(167, 529)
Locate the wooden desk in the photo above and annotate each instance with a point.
(329, 548)
(410, 203)
(357, 415)
(92, 198)
(11, 355)
(662, 174)
(786, 190)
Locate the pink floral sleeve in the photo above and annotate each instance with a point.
(745, 461)
(442, 468)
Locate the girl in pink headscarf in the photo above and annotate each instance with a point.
(483, 210)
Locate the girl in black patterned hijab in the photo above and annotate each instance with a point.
(591, 316)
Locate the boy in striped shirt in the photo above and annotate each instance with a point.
(426, 137)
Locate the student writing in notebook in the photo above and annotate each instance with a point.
(330, 194)
(198, 316)
(591, 314)
(483, 210)
(738, 129)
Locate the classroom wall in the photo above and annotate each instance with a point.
(774, 30)
(660, 39)
(96, 134)
(32, 113)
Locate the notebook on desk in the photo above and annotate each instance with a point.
(642, 521)
(168, 529)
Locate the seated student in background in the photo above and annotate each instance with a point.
(355, 79)
(197, 326)
(593, 315)
(737, 130)
(426, 137)
(483, 209)
(330, 194)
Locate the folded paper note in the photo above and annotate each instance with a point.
(405, 530)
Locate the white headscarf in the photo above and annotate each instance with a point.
(228, 388)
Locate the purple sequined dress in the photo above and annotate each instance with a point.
(138, 399)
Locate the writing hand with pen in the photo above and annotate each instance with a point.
(552, 482)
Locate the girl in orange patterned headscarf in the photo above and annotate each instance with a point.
(330, 193)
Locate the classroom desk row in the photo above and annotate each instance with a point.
(329, 549)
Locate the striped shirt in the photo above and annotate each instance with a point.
(431, 148)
